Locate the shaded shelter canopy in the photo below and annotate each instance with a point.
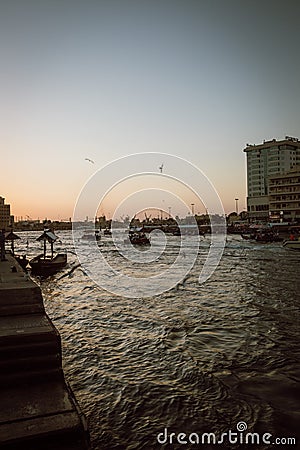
(48, 236)
(11, 236)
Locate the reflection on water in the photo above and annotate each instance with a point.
(198, 358)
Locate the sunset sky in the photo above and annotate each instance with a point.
(104, 79)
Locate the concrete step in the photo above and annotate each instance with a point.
(32, 376)
(18, 329)
(42, 417)
(65, 440)
(37, 408)
(29, 364)
(28, 349)
(22, 298)
(28, 308)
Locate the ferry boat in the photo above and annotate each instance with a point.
(48, 265)
(292, 243)
(107, 232)
(44, 265)
(91, 236)
(138, 237)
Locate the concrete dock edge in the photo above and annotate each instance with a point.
(37, 407)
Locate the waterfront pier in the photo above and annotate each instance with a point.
(38, 409)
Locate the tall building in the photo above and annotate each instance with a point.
(264, 161)
(5, 218)
(284, 195)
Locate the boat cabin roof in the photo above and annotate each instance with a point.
(47, 235)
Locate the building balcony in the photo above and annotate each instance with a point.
(288, 182)
(285, 190)
(277, 206)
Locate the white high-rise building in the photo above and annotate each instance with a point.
(263, 161)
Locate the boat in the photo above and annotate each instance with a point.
(267, 236)
(44, 265)
(107, 232)
(262, 235)
(138, 237)
(91, 236)
(48, 265)
(248, 236)
(292, 244)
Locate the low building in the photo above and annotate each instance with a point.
(284, 195)
(6, 220)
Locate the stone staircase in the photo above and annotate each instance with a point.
(37, 407)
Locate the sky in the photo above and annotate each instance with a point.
(103, 79)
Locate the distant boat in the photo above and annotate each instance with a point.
(248, 236)
(267, 236)
(91, 236)
(262, 235)
(48, 265)
(107, 232)
(292, 243)
(138, 237)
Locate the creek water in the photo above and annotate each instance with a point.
(195, 359)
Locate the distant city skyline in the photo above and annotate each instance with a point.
(85, 83)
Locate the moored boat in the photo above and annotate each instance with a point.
(48, 265)
(248, 236)
(91, 236)
(267, 236)
(44, 265)
(138, 237)
(262, 235)
(292, 244)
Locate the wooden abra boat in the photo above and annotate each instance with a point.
(47, 265)
(44, 265)
(138, 237)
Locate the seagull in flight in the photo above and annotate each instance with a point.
(90, 160)
(161, 167)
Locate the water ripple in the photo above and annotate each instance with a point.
(198, 358)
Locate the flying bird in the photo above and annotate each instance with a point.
(161, 167)
(90, 160)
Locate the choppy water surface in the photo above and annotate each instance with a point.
(198, 358)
